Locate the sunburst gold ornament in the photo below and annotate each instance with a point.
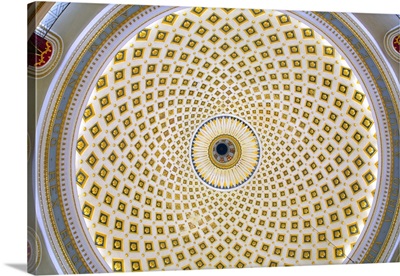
(225, 152)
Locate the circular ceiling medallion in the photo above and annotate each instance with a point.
(34, 252)
(225, 152)
(392, 43)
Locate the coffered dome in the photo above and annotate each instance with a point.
(308, 201)
(217, 138)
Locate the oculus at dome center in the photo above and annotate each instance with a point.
(225, 152)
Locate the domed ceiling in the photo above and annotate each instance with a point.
(191, 138)
(220, 138)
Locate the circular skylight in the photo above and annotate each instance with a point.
(225, 152)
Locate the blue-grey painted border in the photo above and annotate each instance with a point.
(56, 134)
(393, 199)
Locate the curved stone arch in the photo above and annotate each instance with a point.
(36, 12)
